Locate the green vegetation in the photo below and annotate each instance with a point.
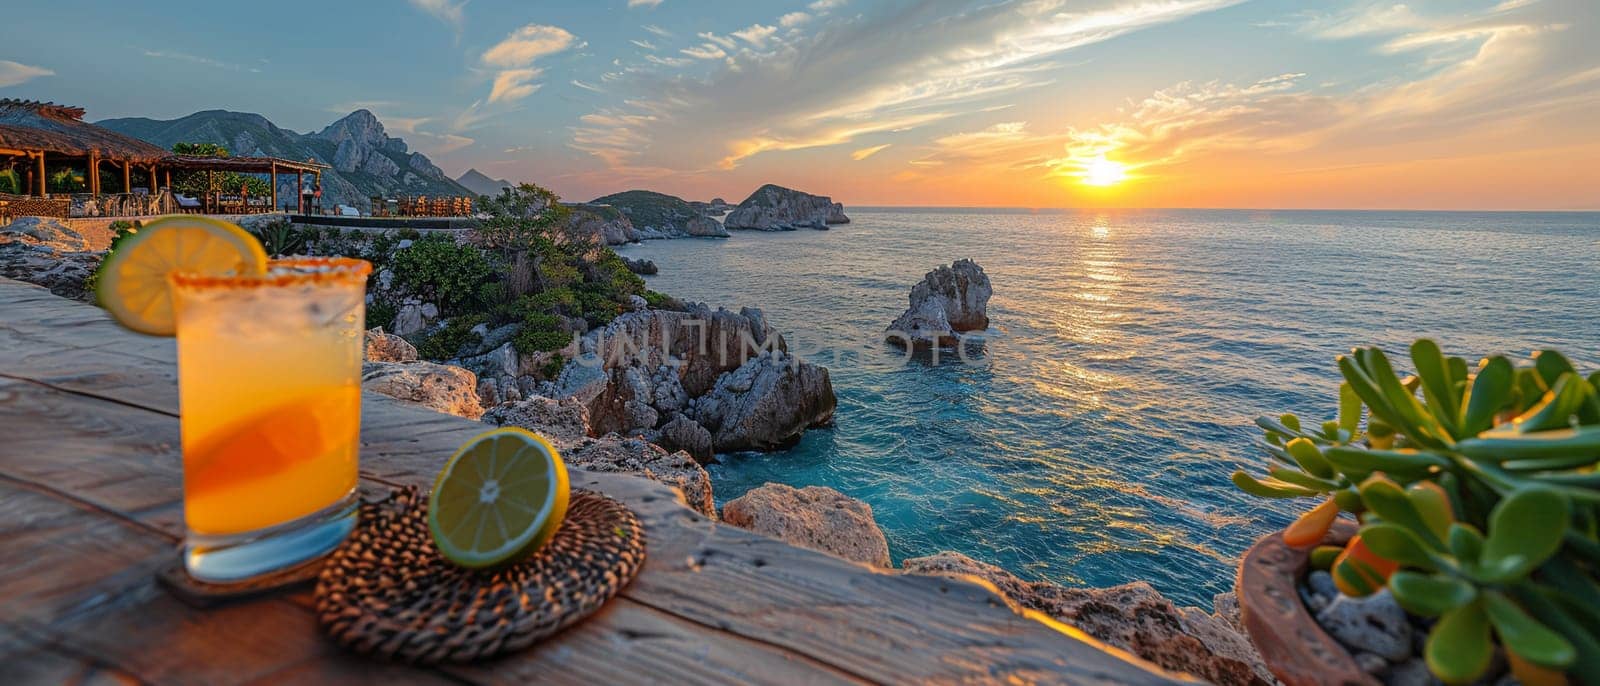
(120, 230)
(448, 341)
(442, 271)
(280, 238)
(648, 208)
(1479, 499)
(11, 182)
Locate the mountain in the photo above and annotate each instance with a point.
(366, 161)
(480, 183)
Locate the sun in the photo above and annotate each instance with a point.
(1103, 172)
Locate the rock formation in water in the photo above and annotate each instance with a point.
(815, 517)
(947, 302)
(775, 208)
(658, 215)
(641, 266)
(1133, 617)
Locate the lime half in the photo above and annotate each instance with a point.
(499, 498)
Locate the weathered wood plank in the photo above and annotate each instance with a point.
(714, 603)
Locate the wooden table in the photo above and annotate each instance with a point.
(90, 486)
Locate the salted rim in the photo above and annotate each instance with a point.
(293, 271)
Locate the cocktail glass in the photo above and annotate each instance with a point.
(269, 385)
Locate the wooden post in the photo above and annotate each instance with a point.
(299, 191)
(127, 176)
(274, 172)
(169, 179)
(42, 191)
(94, 174)
(153, 188)
(206, 198)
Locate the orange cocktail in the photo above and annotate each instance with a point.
(269, 377)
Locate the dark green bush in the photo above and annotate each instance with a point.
(442, 271)
(381, 313)
(408, 234)
(448, 341)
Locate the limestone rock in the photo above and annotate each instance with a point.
(414, 316)
(387, 347)
(602, 224)
(683, 433)
(63, 273)
(815, 517)
(1376, 624)
(564, 421)
(705, 227)
(444, 388)
(948, 301)
(612, 453)
(766, 404)
(46, 231)
(641, 266)
(775, 208)
(1132, 616)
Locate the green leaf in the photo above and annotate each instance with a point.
(1524, 529)
(1430, 595)
(1525, 636)
(1458, 649)
(1466, 544)
(1530, 388)
(1306, 454)
(1433, 503)
(1301, 479)
(1385, 499)
(1437, 386)
(1458, 370)
(1362, 460)
(1418, 423)
(1290, 421)
(1551, 365)
(1501, 445)
(1397, 544)
(1349, 409)
(1560, 613)
(1270, 488)
(1488, 392)
(1556, 408)
(1367, 389)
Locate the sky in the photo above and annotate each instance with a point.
(1434, 104)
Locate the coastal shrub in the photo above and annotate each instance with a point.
(408, 234)
(381, 312)
(655, 299)
(441, 271)
(449, 340)
(1478, 495)
(532, 340)
(552, 369)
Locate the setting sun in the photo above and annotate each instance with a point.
(1103, 172)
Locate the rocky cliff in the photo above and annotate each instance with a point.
(658, 215)
(607, 225)
(775, 208)
(366, 161)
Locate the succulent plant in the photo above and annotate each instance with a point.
(1478, 493)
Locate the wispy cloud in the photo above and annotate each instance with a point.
(643, 3)
(524, 45)
(647, 45)
(512, 63)
(200, 60)
(586, 86)
(512, 84)
(17, 73)
(444, 10)
(838, 78)
(705, 51)
(864, 153)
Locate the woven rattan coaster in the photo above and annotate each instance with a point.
(387, 592)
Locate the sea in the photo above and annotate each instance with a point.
(1091, 438)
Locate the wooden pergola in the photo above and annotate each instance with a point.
(247, 165)
(41, 131)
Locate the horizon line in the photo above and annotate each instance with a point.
(1592, 210)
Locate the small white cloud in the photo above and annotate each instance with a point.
(523, 46)
(756, 34)
(643, 44)
(586, 86)
(825, 5)
(643, 3)
(511, 84)
(723, 41)
(793, 19)
(443, 10)
(864, 153)
(706, 51)
(661, 32)
(16, 73)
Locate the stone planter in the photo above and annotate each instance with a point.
(1291, 642)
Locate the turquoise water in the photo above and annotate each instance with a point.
(1092, 441)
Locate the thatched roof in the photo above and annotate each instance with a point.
(29, 125)
(247, 165)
